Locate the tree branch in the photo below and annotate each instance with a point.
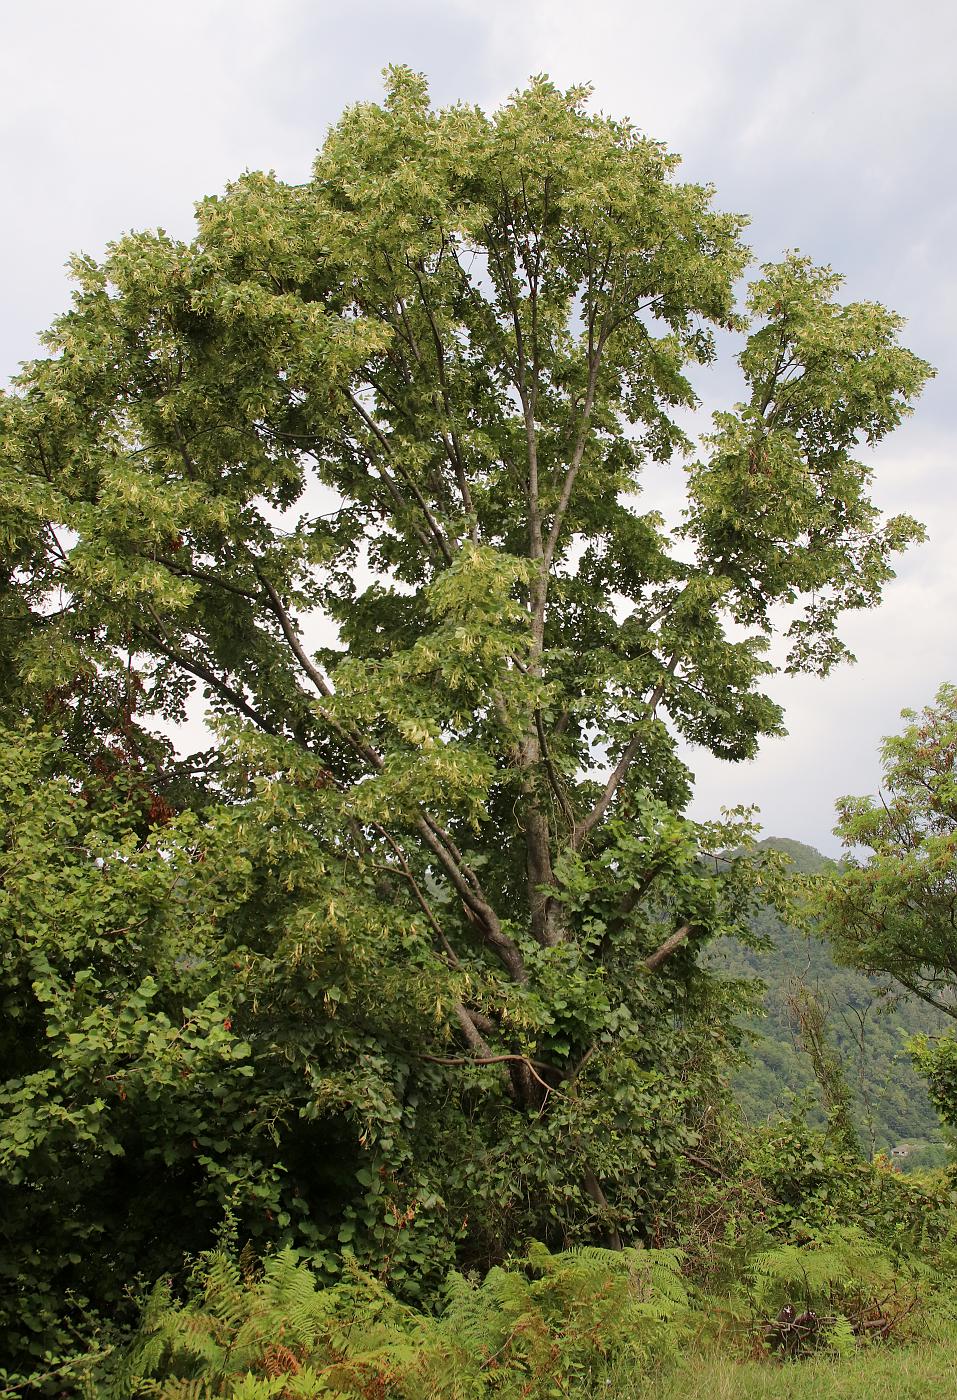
(423, 903)
(481, 1021)
(593, 1187)
(438, 533)
(202, 672)
(499, 1060)
(633, 897)
(473, 898)
(292, 637)
(552, 774)
(184, 571)
(471, 1033)
(670, 945)
(357, 744)
(948, 1010)
(594, 357)
(450, 441)
(584, 828)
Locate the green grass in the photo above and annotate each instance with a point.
(921, 1371)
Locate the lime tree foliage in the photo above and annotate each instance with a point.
(895, 911)
(407, 964)
(868, 1023)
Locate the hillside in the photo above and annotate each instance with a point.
(868, 1023)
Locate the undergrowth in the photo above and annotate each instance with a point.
(585, 1322)
(802, 1260)
(548, 1325)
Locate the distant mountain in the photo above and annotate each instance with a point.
(868, 1023)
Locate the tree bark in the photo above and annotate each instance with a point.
(670, 945)
(593, 1187)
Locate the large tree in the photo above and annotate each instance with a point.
(362, 463)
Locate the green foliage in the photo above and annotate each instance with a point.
(210, 1019)
(937, 1061)
(894, 913)
(114, 1026)
(852, 1283)
(544, 1325)
(806, 1180)
(828, 1069)
(149, 990)
(586, 1322)
(406, 969)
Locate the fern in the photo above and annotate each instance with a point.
(573, 1314)
(849, 1281)
(811, 1272)
(251, 1387)
(545, 1321)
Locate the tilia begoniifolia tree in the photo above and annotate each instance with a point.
(415, 397)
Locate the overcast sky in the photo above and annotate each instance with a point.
(831, 122)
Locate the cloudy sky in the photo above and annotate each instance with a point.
(833, 123)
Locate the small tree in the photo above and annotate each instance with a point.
(896, 913)
(415, 398)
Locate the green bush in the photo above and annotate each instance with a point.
(850, 1286)
(807, 1180)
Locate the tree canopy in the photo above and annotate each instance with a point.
(362, 463)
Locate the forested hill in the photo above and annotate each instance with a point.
(868, 1029)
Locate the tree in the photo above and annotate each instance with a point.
(894, 914)
(362, 463)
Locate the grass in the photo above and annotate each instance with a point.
(920, 1371)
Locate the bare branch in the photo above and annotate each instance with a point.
(446, 839)
(61, 554)
(703, 1164)
(948, 1008)
(499, 1060)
